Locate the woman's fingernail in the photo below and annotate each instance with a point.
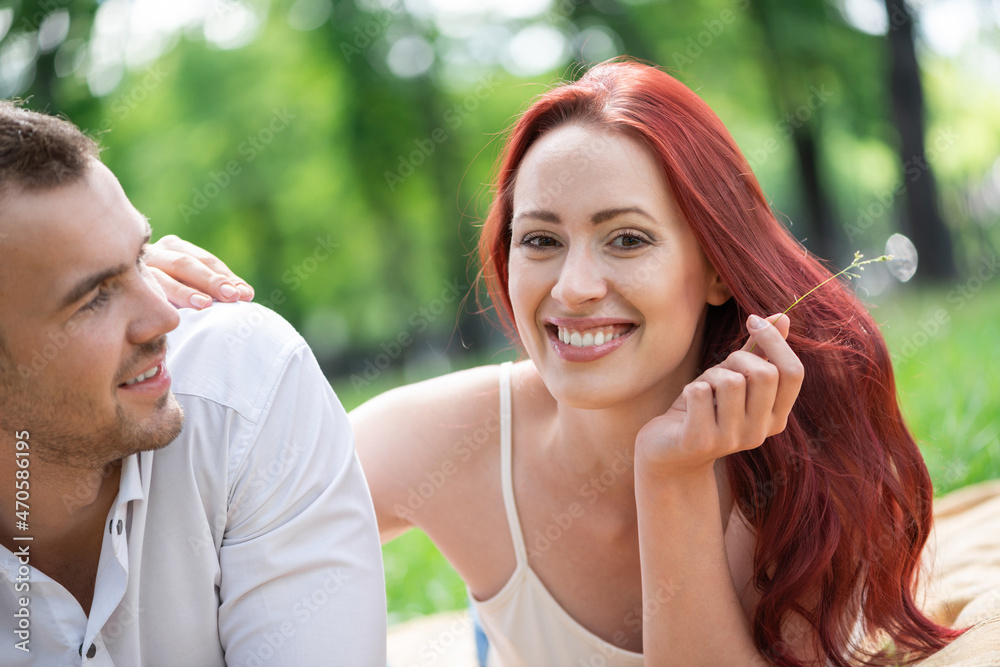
(200, 301)
(227, 291)
(756, 322)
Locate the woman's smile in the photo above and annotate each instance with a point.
(587, 339)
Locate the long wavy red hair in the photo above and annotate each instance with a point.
(841, 500)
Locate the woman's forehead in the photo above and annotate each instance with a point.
(586, 166)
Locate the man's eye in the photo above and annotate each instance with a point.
(103, 294)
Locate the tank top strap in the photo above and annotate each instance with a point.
(506, 472)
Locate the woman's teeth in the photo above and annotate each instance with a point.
(144, 376)
(588, 338)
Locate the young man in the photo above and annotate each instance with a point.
(197, 506)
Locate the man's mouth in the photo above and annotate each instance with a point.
(142, 377)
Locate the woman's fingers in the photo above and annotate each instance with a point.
(767, 340)
(762, 379)
(698, 399)
(730, 389)
(180, 295)
(731, 407)
(199, 271)
(177, 244)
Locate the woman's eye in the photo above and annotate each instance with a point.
(539, 241)
(629, 240)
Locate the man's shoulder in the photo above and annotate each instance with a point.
(234, 326)
(229, 353)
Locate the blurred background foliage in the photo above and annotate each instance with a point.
(338, 156)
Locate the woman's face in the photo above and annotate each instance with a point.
(608, 284)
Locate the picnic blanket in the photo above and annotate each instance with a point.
(962, 588)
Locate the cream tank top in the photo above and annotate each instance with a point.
(525, 625)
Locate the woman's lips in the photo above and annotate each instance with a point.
(588, 337)
(583, 341)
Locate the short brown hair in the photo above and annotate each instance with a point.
(39, 152)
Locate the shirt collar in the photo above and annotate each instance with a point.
(130, 486)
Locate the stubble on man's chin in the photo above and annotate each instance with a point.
(134, 439)
(123, 438)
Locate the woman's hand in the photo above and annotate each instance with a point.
(192, 277)
(729, 408)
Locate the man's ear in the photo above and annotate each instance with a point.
(718, 293)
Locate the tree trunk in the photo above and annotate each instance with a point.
(817, 233)
(821, 242)
(922, 220)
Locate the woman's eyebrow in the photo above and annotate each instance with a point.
(599, 217)
(539, 214)
(609, 213)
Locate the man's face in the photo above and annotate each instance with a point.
(83, 319)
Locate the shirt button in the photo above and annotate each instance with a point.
(92, 651)
(111, 526)
(119, 526)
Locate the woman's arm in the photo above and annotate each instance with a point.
(386, 441)
(421, 449)
(192, 277)
(693, 610)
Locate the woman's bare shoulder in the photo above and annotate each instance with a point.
(438, 405)
(433, 431)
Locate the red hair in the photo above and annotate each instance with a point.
(841, 500)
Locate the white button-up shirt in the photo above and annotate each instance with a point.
(249, 540)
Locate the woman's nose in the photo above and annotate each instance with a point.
(581, 278)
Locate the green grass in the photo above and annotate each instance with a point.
(946, 351)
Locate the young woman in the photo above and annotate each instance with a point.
(655, 482)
